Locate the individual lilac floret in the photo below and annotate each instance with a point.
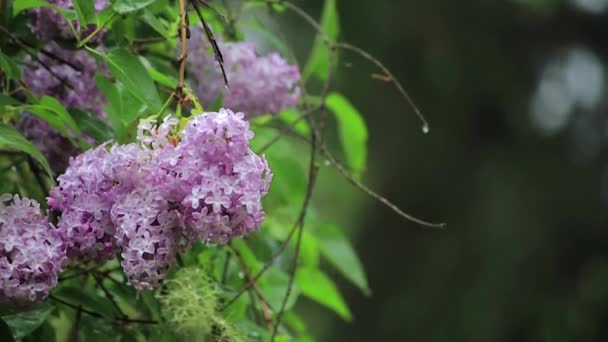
(32, 252)
(83, 95)
(148, 232)
(222, 178)
(49, 24)
(258, 84)
(86, 193)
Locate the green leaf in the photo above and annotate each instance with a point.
(317, 286)
(133, 75)
(274, 286)
(6, 100)
(289, 116)
(22, 5)
(339, 252)
(114, 107)
(318, 62)
(11, 138)
(352, 129)
(23, 323)
(53, 112)
(155, 23)
(91, 126)
(158, 76)
(84, 10)
(127, 6)
(5, 332)
(55, 106)
(10, 68)
(247, 254)
(87, 298)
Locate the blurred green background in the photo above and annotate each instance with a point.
(514, 163)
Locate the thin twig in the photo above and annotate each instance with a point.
(265, 268)
(43, 51)
(33, 54)
(342, 170)
(183, 53)
(389, 78)
(216, 49)
(312, 177)
(97, 30)
(135, 320)
(76, 307)
(76, 327)
(98, 315)
(266, 307)
(109, 295)
(285, 130)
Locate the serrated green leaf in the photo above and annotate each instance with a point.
(127, 6)
(128, 69)
(352, 130)
(23, 323)
(84, 10)
(336, 248)
(317, 286)
(318, 62)
(11, 139)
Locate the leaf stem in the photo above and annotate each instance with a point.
(96, 31)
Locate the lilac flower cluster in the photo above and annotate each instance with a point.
(222, 179)
(81, 93)
(149, 200)
(49, 24)
(258, 84)
(32, 252)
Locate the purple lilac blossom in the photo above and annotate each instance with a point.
(32, 252)
(86, 193)
(84, 95)
(222, 178)
(151, 199)
(49, 24)
(258, 84)
(148, 233)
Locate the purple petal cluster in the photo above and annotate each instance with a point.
(83, 94)
(148, 232)
(222, 179)
(86, 193)
(32, 252)
(258, 84)
(49, 24)
(149, 200)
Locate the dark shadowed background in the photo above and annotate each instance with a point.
(514, 163)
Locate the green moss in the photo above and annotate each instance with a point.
(189, 302)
